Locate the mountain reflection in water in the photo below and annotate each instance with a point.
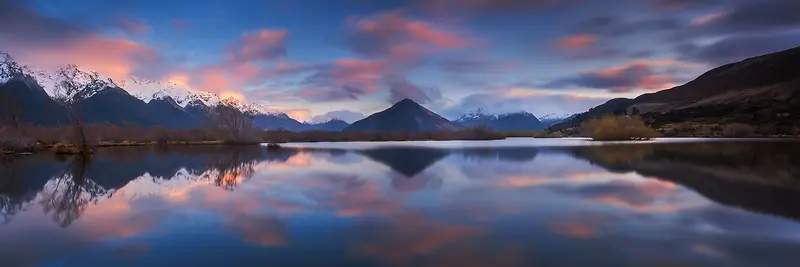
(679, 204)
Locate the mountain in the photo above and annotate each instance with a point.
(503, 122)
(333, 125)
(114, 105)
(278, 121)
(551, 119)
(23, 98)
(763, 91)
(403, 116)
(170, 113)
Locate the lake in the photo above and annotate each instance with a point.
(515, 202)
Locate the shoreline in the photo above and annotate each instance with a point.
(276, 145)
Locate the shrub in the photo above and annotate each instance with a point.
(63, 148)
(612, 128)
(14, 142)
(738, 130)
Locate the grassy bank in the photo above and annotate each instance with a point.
(618, 128)
(59, 139)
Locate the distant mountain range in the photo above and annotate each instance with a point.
(503, 122)
(404, 116)
(22, 95)
(762, 91)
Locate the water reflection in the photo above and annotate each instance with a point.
(680, 204)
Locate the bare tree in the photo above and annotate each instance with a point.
(72, 86)
(69, 194)
(11, 112)
(237, 126)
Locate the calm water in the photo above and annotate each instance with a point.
(520, 202)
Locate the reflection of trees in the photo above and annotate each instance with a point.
(8, 205)
(67, 195)
(8, 208)
(228, 171)
(518, 154)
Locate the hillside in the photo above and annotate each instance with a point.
(763, 91)
(403, 116)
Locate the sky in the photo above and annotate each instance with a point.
(319, 59)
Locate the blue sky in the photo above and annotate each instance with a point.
(350, 58)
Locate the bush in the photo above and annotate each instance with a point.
(15, 142)
(613, 128)
(63, 148)
(738, 130)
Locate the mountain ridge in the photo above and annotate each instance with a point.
(521, 120)
(763, 91)
(404, 116)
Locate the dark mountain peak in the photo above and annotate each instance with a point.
(406, 104)
(406, 101)
(403, 116)
(107, 90)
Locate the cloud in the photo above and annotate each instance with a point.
(344, 79)
(615, 26)
(264, 45)
(637, 196)
(400, 88)
(642, 74)
(573, 229)
(515, 99)
(575, 42)
(133, 26)
(734, 49)
(476, 66)
(672, 5)
(49, 43)
(389, 35)
(19, 25)
(609, 53)
(707, 18)
(750, 17)
(180, 24)
(487, 7)
(345, 115)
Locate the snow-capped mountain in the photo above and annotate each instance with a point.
(502, 122)
(184, 97)
(553, 118)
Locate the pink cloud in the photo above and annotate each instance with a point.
(120, 57)
(259, 46)
(389, 34)
(466, 7)
(575, 42)
(641, 74)
(705, 19)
